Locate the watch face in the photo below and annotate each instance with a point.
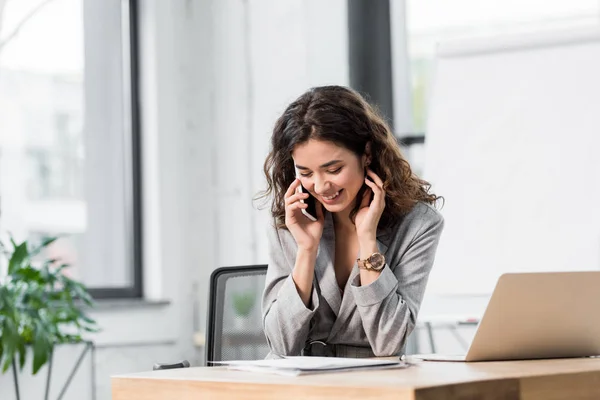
(377, 261)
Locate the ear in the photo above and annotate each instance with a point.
(367, 155)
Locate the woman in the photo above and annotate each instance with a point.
(350, 283)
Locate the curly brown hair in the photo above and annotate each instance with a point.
(340, 115)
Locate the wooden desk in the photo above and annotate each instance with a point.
(535, 379)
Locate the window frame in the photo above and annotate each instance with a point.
(131, 79)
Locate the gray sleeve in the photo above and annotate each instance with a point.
(286, 320)
(389, 305)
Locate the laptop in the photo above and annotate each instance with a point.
(537, 315)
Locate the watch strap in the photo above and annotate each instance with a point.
(367, 264)
(364, 264)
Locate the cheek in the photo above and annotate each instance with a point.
(352, 181)
(304, 181)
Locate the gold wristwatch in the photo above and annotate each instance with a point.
(375, 262)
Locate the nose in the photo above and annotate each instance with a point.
(320, 185)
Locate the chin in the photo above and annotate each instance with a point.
(335, 208)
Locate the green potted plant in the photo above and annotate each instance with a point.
(243, 302)
(40, 307)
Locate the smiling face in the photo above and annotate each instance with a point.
(331, 173)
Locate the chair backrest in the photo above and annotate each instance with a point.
(234, 328)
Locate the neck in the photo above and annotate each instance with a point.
(341, 220)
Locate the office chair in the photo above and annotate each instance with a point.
(234, 329)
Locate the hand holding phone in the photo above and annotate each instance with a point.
(311, 211)
(305, 226)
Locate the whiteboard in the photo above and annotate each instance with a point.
(513, 144)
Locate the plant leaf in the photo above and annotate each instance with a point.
(36, 250)
(9, 339)
(28, 273)
(18, 257)
(81, 292)
(7, 362)
(86, 318)
(22, 355)
(8, 345)
(41, 350)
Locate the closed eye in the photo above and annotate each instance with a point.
(335, 171)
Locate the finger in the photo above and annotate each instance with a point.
(378, 193)
(373, 186)
(296, 197)
(375, 177)
(296, 206)
(292, 188)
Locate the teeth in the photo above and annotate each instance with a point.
(332, 197)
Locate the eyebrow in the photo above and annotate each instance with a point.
(327, 164)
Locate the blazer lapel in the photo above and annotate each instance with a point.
(383, 240)
(348, 305)
(324, 269)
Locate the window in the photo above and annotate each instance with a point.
(69, 140)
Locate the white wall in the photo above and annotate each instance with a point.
(215, 74)
(527, 124)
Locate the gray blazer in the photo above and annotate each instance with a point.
(372, 320)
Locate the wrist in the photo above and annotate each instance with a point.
(365, 239)
(307, 252)
(367, 248)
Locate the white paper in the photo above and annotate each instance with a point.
(294, 366)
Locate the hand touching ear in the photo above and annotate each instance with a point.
(370, 211)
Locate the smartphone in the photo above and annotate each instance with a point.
(311, 211)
